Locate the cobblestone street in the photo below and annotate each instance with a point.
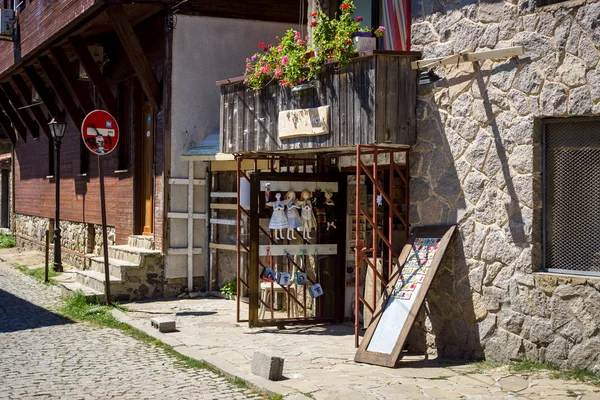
(43, 355)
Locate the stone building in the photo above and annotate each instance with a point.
(508, 150)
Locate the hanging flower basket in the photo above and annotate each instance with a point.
(298, 59)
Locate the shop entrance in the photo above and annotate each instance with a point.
(359, 198)
(296, 263)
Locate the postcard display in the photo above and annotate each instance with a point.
(301, 218)
(396, 311)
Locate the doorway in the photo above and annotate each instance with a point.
(147, 168)
(307, 268)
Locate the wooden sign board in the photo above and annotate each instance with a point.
(304, 122)
(397, 309)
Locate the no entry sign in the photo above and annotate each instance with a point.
(100, 132)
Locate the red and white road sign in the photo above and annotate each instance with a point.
(100, 132)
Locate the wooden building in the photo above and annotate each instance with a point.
(366, 111)
(138, 61)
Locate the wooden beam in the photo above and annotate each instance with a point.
(37, 111)
(223, 206)
(184, 215)
(38, 84)
(72, 79)
(65, 98)
(13, 117)
(183, 251)
(8, 129)
(135, 54)
(185, 181)
(297, 249)
(61, 91)
(23, 113)
(468, 56)
(230, 247)
(96, 76)
(224, 195)
(222, 221)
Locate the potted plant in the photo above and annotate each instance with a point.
(366, 40)
(229, 290)
(296, 59)
(287, 62)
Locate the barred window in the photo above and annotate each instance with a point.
(542, 3)
(572, 195)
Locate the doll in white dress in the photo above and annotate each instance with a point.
(308, 217)
(278, 220)
(293, 218)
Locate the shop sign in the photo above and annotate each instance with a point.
(303, 122)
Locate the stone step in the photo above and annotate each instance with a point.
(141, 241)
(116, 268)
(131, 254)
(95, 280)
(67, 289)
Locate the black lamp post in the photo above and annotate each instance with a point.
(57, 129)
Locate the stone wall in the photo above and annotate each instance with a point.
(78, 239)
(477, 163)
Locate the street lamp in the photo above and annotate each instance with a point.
(57, 129)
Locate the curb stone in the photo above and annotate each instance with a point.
(226, 368)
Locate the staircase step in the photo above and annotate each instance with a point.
(141, 241)
(116, 268)
(67, 289)
(95, 280)
(131, 254)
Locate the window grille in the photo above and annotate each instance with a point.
(572, 196)
(541, 3)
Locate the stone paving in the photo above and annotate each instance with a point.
(43, 355)
(319, 359)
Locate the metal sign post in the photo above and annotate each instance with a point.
(100, 133)
(104, 235)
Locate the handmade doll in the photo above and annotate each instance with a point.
(293, 217)
(308, 217)
(278, 220)
(329, 209)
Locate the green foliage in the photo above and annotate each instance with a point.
(7, 241)
(39, 273)
(230, 288)
(81, 308)
(581, 375)
(296, 59)
(332, 38)
(286, 62)
(526, 366)
(84, 308)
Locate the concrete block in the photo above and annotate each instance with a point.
(163, 324)
(267, 366)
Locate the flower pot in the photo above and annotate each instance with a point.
(364, 41)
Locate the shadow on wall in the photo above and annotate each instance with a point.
(469, 168)
(437, 198)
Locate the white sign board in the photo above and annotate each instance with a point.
(304, 122)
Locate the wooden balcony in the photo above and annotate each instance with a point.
(372, 100)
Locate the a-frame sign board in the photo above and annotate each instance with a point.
(397, 309)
